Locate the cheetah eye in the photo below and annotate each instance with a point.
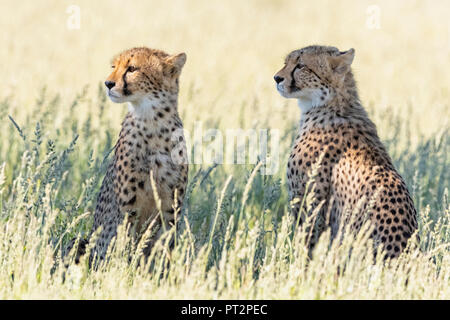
(132, 68)
(113, 67)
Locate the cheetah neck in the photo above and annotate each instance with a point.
(152, 108)
(339, 111)
(313, 99)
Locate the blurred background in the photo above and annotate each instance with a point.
(234, 48)
(57, 128)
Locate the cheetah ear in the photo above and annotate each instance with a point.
(341, 63)
(175, 63)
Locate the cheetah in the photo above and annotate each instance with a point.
(151, 144)
(355, 179)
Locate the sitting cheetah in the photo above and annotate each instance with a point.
(151, 142)
(355, 169)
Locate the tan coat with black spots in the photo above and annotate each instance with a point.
(151, 142)
(355, 168)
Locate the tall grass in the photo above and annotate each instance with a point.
(235, 238)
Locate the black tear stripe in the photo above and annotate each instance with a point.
(292, 86)
(125, 84)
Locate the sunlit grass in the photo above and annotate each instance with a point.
(235, 239)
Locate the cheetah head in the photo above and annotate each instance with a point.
(313, 74)
(143, 73)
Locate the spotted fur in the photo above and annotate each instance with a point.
(151, 142)
(355, 169)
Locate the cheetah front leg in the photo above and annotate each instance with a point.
(309, 200)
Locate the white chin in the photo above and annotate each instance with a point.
(283, 93)
(116, 99)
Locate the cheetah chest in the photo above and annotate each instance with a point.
(140, 156)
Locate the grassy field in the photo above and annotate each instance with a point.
(235, 238)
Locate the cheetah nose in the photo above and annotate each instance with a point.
(110, 84)
(278, 79)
